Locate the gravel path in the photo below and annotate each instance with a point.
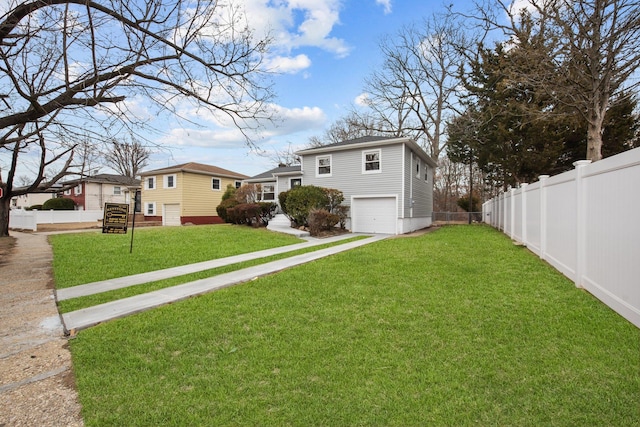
(37, 386)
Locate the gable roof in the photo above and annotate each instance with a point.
(369, 142)
(198, 168)
(104, 178)
(280, 170)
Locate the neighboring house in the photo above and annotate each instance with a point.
(187, 193)
(387, 182)
(30, 199)
(92, 192)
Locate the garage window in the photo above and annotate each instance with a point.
(323, 165)
(371, 161)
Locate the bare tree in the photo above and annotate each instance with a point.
(416, 89)
(68, 68)
(596, 52)
(127, 158)
(353, 125)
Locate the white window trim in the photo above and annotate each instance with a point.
(119, 193)
(364, 161)
(146, 183)
(264, 192)
(146, 209)
(219, 184)
(165, 181)
(77, 190)
(323, 175)
(67, 192)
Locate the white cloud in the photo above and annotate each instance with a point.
(386, 4)
(289, 65)
(362, 100)
(298, 23)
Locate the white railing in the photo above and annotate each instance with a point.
(20, 219)
(585, 223)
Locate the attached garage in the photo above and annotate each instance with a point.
(171, 214)
(374, 215)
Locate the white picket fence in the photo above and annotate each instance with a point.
(585, 223)
(20, 219)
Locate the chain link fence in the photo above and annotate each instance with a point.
(456, 217)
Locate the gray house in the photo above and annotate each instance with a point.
(386, 182)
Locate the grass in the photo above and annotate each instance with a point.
(457, 327)
(90, 257)
(101, 298)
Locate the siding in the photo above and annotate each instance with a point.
(199, 198)
(161, 195)
(417, 188)
(347, 176)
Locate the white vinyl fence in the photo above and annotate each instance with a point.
(20, 219)
(585, 223)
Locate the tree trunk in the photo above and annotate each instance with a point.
(5, 203)
(594, 136)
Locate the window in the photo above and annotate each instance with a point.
(150, 208)
(150, 183)
(169, 181)
(238, 184)
(417, 168)
(295, 182)
(78, 189)
(371, 161)
(117, 191)
(215, 183)
(268, 192)
(67, 192)
(426, 174)
(323, 165)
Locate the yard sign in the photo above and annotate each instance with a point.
(116, 216)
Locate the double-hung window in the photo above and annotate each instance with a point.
(323, 165)
(150, 208)
(268, 192)
(117, 191)
(78, 189)
(150, 183)
(170, 181)
(371, 161)
(215, 184)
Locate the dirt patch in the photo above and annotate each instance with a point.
(6, 245)
(69, 226)
(420, 232)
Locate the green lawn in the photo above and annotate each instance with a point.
(457, 327)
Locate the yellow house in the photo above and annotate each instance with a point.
(187, 193)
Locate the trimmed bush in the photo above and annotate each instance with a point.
(321, 220)
(253, 214)
(224, 207)
(59, 204)
(300, 200)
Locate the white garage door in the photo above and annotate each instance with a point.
(171, 214)
(374, 215)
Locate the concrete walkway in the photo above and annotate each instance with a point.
(85, 318)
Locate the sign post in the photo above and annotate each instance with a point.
(136, 208)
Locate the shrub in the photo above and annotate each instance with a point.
(248, 193)
(253, 214)
(32, 207)
(300, 200)
(59, 204)
(321, 220)
(342, 212)
(229, 193)
(223, 208)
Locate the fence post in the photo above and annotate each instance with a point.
(543, 215)
(523, 194)
(581, 251)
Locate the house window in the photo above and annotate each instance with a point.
(371, 161)
(78, 189)
(169, 181)
(150, 208)
(117, 191)
(215, 183)
(67, 192)
(150, 183)
(417, 168)
(323, 165)
(295, 182)
(238, 184)
(268, 192)
(426, 174)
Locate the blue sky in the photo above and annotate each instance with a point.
(324, 50)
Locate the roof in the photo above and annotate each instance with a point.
(280, 170)
(368, 142)
(105, 178)
(199, 168)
